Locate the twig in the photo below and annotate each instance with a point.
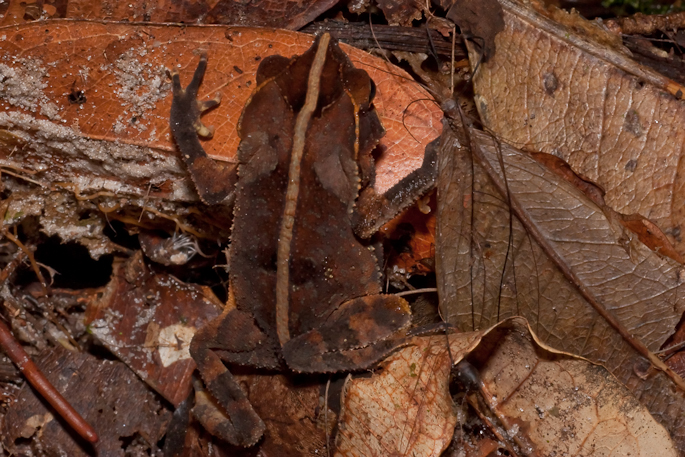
(79, 196)
(325, 419)
(642, 24)
(34, 265)
(11, 267)
(388, 37)
(416, 291)
(147, 195)
(25, 178)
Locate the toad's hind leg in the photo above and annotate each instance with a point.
(236, 338)
(361, 332)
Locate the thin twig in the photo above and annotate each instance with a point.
(454, 45)
(417, 291)
(147, 195)
(380, 49)
(325, 419)
(32, 259)
(25, 178)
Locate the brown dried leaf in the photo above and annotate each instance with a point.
(567, 266)
(98, 92)
(647, 232)
(557, 404)
(568, 91)
(290, 15)
(148, 320)
(480, 21)
(293, 411)
(548, 402)
(17, 12)
(402, 12)
(405, 409)
(108, 395)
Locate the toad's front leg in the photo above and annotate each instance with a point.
(215, 181)
(234, 334)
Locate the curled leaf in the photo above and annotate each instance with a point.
(546, 402)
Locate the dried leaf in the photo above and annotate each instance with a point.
(148, 320)
(556, 404)
(548, 402)
(570, 268)
(564, 90)
(119, 123)
(405, 409)
(401, 12)
(647, 232)
(290, 15)
(470, 16)
(109, 396)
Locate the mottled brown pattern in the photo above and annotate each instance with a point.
(336, 318)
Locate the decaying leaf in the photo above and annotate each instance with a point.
(647, 232)
(402, 12)
(294, 412)
(96, 96)
(266, 13)
(564, 90)
(107, 393)
(571, 269)
(546, 402)
(148, 320)
(405, 409)
(469, 14)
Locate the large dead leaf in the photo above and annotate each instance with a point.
(96, 96)
(569, 91)
(469, 14)
(585, 283)
(547, 402)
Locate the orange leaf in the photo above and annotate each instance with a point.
(108, 82)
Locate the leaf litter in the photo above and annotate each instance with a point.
(546, 402)
(506, 290)
(573, 266)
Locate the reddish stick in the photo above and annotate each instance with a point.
(39, 382)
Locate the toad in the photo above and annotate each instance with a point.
(304, 281)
